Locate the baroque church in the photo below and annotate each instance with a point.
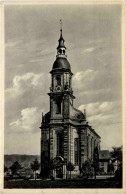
(65, 132)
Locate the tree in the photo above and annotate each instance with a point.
(56, 165)
(70, 167)
(118, 175)
(5, 168)
(53, 164)
(87, 168)
(117, 153)
(35, 166)
(110, 168)
(45, 167)
(15, 167)
(95, 160)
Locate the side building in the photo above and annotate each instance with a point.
(105, 159)
(65, 132)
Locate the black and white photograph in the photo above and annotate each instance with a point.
(63, 96)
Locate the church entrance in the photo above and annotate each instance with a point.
(59, 166)
(59, 172)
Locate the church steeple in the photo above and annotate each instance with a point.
(61, 49)
(65, 135)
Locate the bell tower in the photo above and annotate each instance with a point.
(65, 133)
(61, 94)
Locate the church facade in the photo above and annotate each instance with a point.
(65, 132)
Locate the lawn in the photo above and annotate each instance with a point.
(90, 183)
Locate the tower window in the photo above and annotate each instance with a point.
(63, 51)
(76, 150)
(60, 51)
(59, 144)
(58, 78)
(58, 107)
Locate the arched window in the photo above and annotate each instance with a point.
(59, 144)
(60, 51)
(58, 107)
(58, 78)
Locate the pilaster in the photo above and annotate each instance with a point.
(51, 143)
(65, 142)
(83, 145)
(89, 146)
(64, 171)
(70, 145)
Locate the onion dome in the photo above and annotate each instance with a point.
(61, 63)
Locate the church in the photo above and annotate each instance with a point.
(66, 135)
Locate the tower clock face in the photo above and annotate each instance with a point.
(58, 88)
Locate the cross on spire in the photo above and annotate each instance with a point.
(61, 26)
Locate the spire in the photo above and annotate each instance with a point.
(61, 49)
(60, 28)
(61, 39)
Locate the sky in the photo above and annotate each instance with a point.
(92, 36)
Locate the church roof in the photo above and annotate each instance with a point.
(61, 63)
(76, 114)
(47, 117)
(104, 154)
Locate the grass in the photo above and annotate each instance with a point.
(62, 184)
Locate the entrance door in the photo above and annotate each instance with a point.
(58, 161)
(59, 172)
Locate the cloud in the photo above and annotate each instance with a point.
(99, 44)
(25, 83)
(29, 120)
(12, 43)
(21, 65)
(97, 85)
(105, 111)
(36, 60)
(88, 50)
(82, 79)
(101, 61)
(106, 119)
(98, 107)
